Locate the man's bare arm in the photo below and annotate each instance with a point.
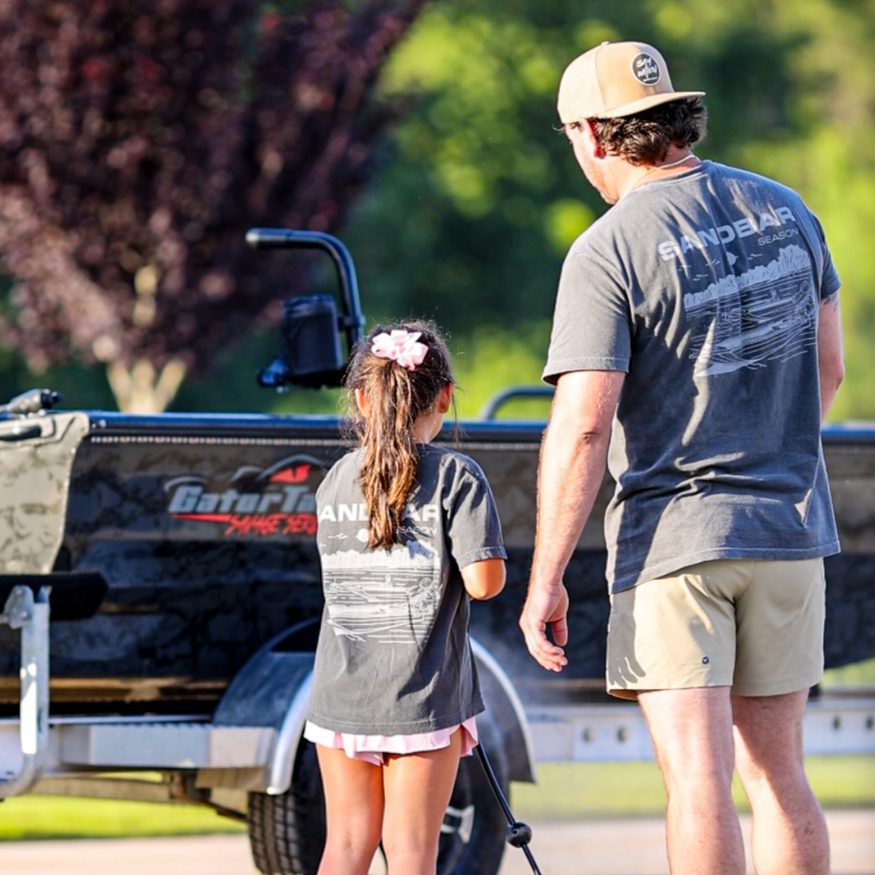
(830, 361)
(572, 467)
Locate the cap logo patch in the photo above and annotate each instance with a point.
(645, 69)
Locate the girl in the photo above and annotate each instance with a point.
(394, 687)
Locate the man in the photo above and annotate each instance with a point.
(696, 346)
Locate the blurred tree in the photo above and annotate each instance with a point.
(478, 198)
(139, 140)
(479, 194)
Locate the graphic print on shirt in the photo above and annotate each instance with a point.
(764, 314)
(388, 596)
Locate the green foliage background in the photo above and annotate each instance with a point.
(476, 198)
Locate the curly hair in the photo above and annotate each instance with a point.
(646, 137)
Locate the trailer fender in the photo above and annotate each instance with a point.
(273, 689)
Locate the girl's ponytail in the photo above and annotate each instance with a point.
(396, 396)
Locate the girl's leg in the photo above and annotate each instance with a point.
(417, 789)
(354, 812)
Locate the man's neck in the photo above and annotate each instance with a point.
(676, 161)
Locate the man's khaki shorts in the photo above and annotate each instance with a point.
(755, 626)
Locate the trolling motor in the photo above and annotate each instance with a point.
(311, 326)
(32, 401)
(519, 834)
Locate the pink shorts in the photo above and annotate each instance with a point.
(370, 748)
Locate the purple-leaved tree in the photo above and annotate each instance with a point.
(138, 142)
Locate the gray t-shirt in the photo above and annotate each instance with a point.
(705, 289)
(393, 656)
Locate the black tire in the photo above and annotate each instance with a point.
(287, 832)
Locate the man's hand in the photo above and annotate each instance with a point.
(546, 607)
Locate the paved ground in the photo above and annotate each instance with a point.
(637, 847)
(593, 847)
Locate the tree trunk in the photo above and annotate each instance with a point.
(141, 389)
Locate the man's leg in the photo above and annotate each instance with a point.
(692, 735)
(789, 832)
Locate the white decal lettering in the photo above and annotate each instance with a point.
(347, 512)
(228, 499)
(423, 514)
(268, 500)
(247, 502)
(185, 499)
(780, 235)
(744, 227)
(668, 250)
(293, 493)
(208, 503)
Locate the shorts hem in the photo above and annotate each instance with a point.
(373, 749)
(777, 688)
(752, 690)
(632, 691)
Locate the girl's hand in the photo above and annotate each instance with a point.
(484, 579)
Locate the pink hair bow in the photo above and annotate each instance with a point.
(400, 346)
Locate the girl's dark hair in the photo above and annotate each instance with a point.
(395, 397)
(646, 137)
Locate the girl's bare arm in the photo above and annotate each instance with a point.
(484, 579)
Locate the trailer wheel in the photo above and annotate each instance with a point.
(287, 832)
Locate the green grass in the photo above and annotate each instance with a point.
(860, 674)
(573, 790)
(43, 817)
(565, 791)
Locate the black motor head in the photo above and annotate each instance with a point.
(310, 345)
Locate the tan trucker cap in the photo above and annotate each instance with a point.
(613, 80)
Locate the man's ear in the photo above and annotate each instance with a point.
(594, 147)
(445, 398)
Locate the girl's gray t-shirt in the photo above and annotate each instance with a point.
(705, 288)
(393, 655)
